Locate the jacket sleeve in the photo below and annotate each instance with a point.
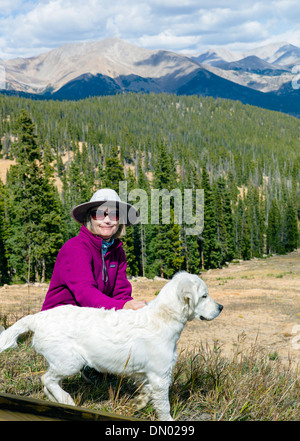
(79, 278)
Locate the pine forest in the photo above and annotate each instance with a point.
(246, 160)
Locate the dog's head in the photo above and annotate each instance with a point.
(194, 294)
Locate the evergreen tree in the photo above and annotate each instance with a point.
(142, 227)
(255, 221)
(4, 276)
(164, 251)
(192, 243)
(232, 187)
(34, 210)
(114, 172)
(274, 229)
(224, 220)
(245, 240)
(130, 244)
(212, 253)
(78, 188)
(241, 231)
(228, 219)
(192, 253)
(290, 226)
(26, 150)
(165, 176)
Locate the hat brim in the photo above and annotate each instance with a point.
(129, 215)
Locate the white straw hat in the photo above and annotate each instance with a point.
(128, 213)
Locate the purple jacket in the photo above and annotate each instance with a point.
(79, 277)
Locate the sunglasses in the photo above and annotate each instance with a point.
(100, 215)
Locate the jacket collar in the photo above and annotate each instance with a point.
(96, 241)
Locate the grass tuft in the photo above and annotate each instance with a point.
(250, 386)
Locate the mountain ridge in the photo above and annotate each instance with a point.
(110, 66)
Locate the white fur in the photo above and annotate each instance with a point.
(140, 344)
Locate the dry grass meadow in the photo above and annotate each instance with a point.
(244, 365)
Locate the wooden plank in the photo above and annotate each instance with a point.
(55, 411)
(12, 415)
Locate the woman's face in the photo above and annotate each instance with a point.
(102, 224)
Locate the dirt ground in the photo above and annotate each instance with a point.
(261, 300)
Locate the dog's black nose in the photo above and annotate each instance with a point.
(220, 307)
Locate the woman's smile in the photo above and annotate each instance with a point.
(105, 228)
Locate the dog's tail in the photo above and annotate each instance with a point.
(9, 337)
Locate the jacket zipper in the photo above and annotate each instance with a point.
(104, 269)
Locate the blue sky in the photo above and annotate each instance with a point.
(30, 27)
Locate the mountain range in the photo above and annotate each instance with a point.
(264, 77)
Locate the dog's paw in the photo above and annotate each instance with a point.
(139, 402)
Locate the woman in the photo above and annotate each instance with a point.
(90, 269)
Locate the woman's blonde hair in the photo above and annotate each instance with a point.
(88, 224)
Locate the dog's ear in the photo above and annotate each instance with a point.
(190, 304)
(186, 290)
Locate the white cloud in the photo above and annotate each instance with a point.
(29, 27)
(167, 40)
(7, 7)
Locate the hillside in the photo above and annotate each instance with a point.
(246, 159)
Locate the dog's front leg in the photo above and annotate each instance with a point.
(160, 397)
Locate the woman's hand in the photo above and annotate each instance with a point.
(134, 304)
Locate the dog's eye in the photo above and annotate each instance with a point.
(204, 296)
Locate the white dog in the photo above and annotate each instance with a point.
(140, 344)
